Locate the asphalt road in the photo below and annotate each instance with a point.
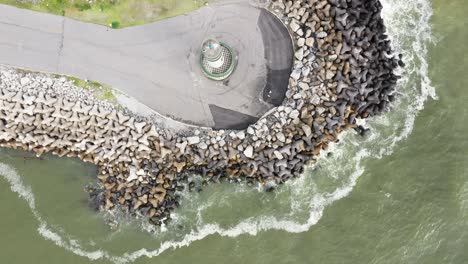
(157, 63)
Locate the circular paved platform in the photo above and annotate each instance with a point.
(158, 63)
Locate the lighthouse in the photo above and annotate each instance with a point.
(217, 60)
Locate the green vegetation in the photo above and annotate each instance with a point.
(113, 13)
(106, 93)
(100, 91)
(82, 6)
(115, 24)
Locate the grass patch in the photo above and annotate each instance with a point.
(84, 84)
(100, 91)
(107, 94)
(114, 13)
(82, 6)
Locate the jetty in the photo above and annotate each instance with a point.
(342, 70)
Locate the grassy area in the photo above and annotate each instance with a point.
(113, 13)
(100, 91)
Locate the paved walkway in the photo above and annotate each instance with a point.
(157, 63)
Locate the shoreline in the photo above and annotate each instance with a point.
(342, 72)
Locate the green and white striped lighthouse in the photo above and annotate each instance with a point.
(218, 60)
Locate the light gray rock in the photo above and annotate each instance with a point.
(307, 130)
(296, 74)
(303, 86)
(300, 42)
(315, 100)
(306, 71)
(278, 155)
(294, 114)
(299, 54)
(213, 141)
(203, 145)
(193, 140)
(280, 136)
(297, 96)
(311, 57)
(310, 42)
(300, 32)
(320, 110)
(182, 146)
(222, 142)
(294, 25)
(321, 34)
(24, 81)
(240, 134)
(330, 74)
(248, 152)
(332, 57)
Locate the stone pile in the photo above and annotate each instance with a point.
(343, 70)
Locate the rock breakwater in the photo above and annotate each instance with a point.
(343, 70)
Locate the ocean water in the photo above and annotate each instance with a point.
(399, 195)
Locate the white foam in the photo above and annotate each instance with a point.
(25, 193)
(408, 26)
(398, 17)
(17, 186)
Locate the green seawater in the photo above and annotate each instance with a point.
(399, 195)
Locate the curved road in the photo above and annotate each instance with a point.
(157, 63)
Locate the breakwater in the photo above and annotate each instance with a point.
(343, 70)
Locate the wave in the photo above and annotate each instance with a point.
(407, 23)
(25, 193)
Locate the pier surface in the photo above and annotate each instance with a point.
(158, 63)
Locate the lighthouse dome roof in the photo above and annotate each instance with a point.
(211, 48)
